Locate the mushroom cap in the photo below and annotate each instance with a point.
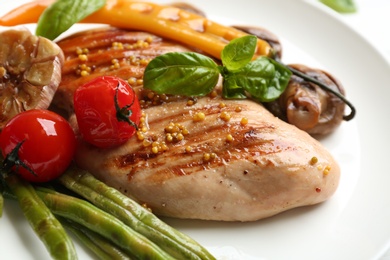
(309, 107)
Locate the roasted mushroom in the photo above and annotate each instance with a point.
(305, 104)
(30, 72)
(308, 106)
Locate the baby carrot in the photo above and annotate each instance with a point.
(26, 13)
(167, 21)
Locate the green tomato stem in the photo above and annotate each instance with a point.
(124, 113)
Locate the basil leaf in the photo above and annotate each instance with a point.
(181, 73)
(341, 6)
(62, 14)
(264, 79)
(239, 52)
(231, 90)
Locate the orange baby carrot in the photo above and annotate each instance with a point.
(27, 13)
(166, 21)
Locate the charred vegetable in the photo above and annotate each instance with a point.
(307, 105)
(30, 72)
(154, 18)
(313, 101)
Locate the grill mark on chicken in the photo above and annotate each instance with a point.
(101, 38)
(224, 157)
(102, 64)
(263, 170)
(101, 51)
(248, 143)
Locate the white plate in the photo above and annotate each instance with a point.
(354, 223)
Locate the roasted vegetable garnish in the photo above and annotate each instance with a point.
(41, 219)
(30, 72)
(167, 21)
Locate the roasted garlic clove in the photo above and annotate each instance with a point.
(30, 72)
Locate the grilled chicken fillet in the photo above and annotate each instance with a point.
(210, 158)
(267, 167)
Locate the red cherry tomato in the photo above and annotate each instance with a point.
(48, 144)
(98, 105)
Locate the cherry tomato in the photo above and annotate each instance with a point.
(47, 144)
(107, 111)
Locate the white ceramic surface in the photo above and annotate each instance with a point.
(353, 224)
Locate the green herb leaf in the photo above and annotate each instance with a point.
(341, 6)
(62, 14)
(181, 73)
(193, 74)
(239, 52)
(231, 90)
(264, 79)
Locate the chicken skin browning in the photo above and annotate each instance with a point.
(197, 158)
(246, 168)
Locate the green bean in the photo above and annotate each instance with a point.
(86, 241)
(100, 246)
(108, 205)
(99, 221)
(133, 214)
(42, 221)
